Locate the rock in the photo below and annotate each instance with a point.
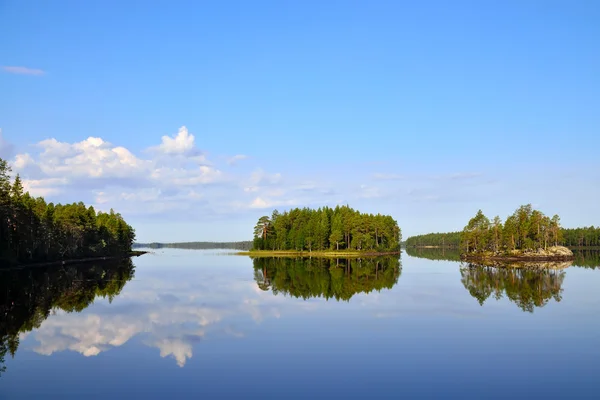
(560, 251)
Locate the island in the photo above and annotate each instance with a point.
(526, 235)
(35, 232)
(325, 232)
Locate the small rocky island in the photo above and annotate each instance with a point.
(526, 235)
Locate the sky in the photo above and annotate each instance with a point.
(193, 119)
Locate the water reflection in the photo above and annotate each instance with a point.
(587, 258)
(29, 296)
(433, 253)
(326, 277)
(528, 288)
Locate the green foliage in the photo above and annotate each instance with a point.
(582, 237)
(527, 288)
(525, 229)
(33, 231)
(28, 295)
(448, 240)
(326, 277)
(341, 228)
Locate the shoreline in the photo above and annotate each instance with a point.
(324, 254)
(133, 253)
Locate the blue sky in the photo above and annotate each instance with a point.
(423, 110)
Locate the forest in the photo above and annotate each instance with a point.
(447, 240)
(339, 228)
(581, 237)
(32, 230)
(242, 245)
(526, 228)
(28, 295)
(328, 278)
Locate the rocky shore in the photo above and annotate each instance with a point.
(554, 253)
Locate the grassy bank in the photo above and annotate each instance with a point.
(328, 254)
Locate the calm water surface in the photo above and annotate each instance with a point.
(185, 323)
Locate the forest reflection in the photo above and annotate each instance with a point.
(434, 253)
(326, 277)
(28, 296)
(528, 288)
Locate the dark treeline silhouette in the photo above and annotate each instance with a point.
(28, 295)
(32, 230)
(327, 228)
(448, 240)
(528, 288)
(438, 254)
(243, 245)
(581, 237)
(326, 277)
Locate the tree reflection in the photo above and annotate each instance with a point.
(528, 286)
(326, 277)
(587, 258)
(28, 295)
(434, 253)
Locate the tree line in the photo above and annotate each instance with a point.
(28, 295)
(525, 229)
(326, 278)
(32, 230)
(242, 245)
(581, 237)
(339, 228)
(447, 240)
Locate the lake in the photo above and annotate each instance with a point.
(205, 324)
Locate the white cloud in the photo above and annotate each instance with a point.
(169, 315)
(170, 180)
(177, 348)
(23, 70)
(43, 187)
(238, 157)
(182, 143)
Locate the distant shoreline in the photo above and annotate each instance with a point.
(293, 253)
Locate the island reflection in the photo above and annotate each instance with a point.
(28, 296)
(325, 277)
(527, 286)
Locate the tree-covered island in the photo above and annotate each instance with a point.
(527, 234)
(339, 231)
(33, 231)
